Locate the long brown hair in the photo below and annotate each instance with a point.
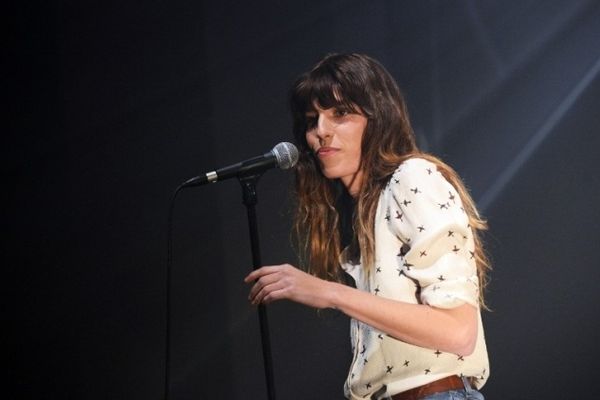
(359, 83)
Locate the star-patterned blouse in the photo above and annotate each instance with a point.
(424, 254)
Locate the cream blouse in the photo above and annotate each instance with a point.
(424, 254)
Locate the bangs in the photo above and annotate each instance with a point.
(322, 87)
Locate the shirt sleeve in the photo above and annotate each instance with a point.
(425, 212)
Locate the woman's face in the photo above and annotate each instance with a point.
(335, 136)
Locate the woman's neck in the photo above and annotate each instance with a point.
(352, 183)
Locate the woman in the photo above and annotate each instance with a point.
(399, 222)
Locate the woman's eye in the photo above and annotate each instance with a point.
(340, 112)
(311, 122)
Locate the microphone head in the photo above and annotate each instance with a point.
(286, 155)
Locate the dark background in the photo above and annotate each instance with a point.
(112, 104)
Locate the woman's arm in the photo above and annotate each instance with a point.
(451, 330)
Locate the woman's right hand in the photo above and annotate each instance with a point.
(278, 282)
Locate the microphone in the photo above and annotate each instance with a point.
(284, 155)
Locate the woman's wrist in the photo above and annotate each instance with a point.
(333, 294)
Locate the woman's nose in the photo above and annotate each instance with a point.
(323, 130)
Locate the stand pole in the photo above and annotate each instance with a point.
(250, 199)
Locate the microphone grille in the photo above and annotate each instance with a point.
(286, 155)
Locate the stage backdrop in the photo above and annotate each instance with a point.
(113, 103)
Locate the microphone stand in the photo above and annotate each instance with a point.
(248, 183)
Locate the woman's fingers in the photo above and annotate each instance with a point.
(263, 285)
(285, 281)
(270, 292)
(258, 273)
(270, 283)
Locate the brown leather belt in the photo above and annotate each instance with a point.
(441, 385)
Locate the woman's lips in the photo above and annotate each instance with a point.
(326, 151)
